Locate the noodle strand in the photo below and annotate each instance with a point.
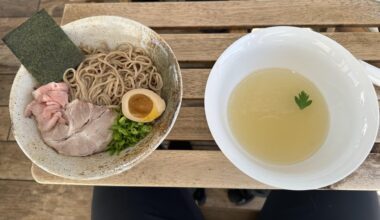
(105, 76)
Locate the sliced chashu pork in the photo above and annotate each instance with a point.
(87, 130)
(49, 100)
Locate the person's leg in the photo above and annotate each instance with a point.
(134, 203)
(319, 204)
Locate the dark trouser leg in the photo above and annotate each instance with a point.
(135, 203)
(317, 205)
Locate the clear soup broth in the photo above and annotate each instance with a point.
(269, 123)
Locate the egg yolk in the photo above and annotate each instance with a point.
(140, 105)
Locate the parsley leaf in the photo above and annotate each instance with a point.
(302, 100)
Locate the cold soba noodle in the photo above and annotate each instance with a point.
(106, 75)
(267, 121)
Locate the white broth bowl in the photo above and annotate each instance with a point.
(93, 32)
(342, 80)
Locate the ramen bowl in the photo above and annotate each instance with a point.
(94, 32)
(339, 76)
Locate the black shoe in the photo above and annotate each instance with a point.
(240, 196)
(199, 196)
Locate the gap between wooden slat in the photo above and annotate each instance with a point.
(235, 14)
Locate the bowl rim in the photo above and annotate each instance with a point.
(123, 166)
(209, 112)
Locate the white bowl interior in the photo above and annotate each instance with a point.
(351, 100)
(94, 31)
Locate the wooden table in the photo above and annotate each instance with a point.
(183, 25)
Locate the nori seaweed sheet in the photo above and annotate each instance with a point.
(43, 48)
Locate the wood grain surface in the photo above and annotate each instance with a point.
(191, 125)
(55, 7)
(237, 13)
(11, 136)
(27, 200)
(14, 164)
(18, 8)
(7, 24)
(192, 47)
(5, 88)
(5, 123)
(8, 62)
(168, 168)
(229, 213)
(206, 169)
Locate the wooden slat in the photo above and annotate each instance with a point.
(194, 83)
(13, 163)
(359, 44)
(18, 8)
(199, 47)
(367, 177)
(11, 137)
(208, 169)
(8, 62)
(376, 148)
(191, 125)
(236, 14)
(30, 200)
(55, 7)
(7, 24)
(5, 88)
(218, 198)
(192, 47)
(5, 123)
(228, 213)
(193, 86)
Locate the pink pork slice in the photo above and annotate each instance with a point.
(49, 101)
(87, 130)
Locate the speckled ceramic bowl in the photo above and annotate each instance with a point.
(93, 31)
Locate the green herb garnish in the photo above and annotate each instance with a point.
(302, 100)
(126, 133)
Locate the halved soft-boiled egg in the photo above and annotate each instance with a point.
(142, 105)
